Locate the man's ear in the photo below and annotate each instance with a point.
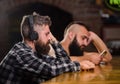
(71, 35)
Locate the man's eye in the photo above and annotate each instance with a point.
(83, 37)
(47, 34)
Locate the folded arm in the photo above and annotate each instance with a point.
(100, 46)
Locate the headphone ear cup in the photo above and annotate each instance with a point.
(33, 35)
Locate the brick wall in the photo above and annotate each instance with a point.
(84, 10)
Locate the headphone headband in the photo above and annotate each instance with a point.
(33, 35)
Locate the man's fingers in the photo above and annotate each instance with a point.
(87, 65)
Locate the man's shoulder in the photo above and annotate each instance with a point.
(20, 48)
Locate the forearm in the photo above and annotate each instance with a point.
(100, 46)
(78, 58)
(65, 67)
(59, 51)
(47, 67)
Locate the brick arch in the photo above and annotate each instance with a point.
(59, 17)
(10, 19)
(83, 10)
(8, 5)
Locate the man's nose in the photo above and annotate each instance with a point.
(49, 38)
(85, 43)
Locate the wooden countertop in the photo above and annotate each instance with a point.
(103, 74)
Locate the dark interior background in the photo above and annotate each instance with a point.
(60, 19)
(93, 13)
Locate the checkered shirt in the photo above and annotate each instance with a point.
(22, 65)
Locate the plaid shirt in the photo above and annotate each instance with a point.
(22, 65)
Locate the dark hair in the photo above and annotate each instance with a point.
(75, 22)
(37, 20)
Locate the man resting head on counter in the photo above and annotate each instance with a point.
(77, 37)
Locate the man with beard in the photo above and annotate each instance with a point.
(75, 49)
(28, 61)
(77, 37)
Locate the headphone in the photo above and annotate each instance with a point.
(33, 35)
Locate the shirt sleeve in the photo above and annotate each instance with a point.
(46, 66)
(59, 51)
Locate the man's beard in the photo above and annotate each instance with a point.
(42, 48)
(75, 49)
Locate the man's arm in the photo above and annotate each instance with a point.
(100, 46)
(45, 66)
(90, 56)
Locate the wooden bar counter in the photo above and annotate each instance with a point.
(102, 74)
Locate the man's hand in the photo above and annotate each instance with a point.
(86, 65)
(90, 37)
(94, 57)
(52, 38)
